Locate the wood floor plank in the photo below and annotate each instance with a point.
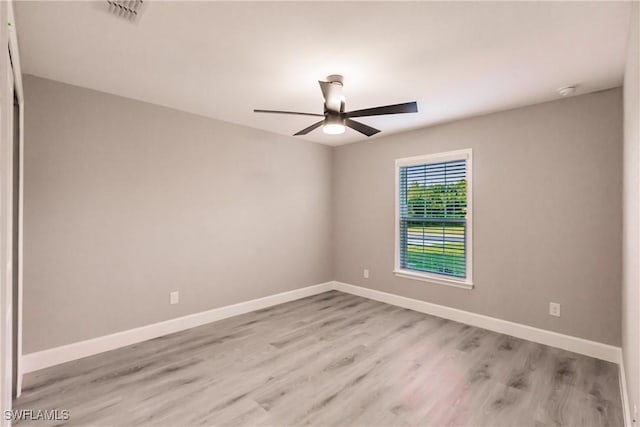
(330, 359)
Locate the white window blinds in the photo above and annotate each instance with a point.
(433, 218)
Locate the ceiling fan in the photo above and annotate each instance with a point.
(335, 118)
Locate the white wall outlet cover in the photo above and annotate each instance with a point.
(174, 297)
(365, 273)
(554, 309)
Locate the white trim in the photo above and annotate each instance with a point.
(20, 249)
(17, 72)
(6, 216)
(464, 154)
(66, 353)
(566, 342)
(433, 278)
(15, 53)
(626, 410)
(467, 282)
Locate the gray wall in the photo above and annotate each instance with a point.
(126, 201)
(631, 231)
(547, 186)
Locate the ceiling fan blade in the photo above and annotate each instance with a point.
(288, 112)
(407, 107)
(309, 129)
(332, 93)
(361, 127)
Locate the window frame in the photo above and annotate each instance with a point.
(441, 279)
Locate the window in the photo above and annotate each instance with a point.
(433, 218)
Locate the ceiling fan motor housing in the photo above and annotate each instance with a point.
(334, 124)
(334, 119)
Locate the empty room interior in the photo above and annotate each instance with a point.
(320, 213)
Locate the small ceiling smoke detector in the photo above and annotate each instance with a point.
(567, 90)
(128, 9)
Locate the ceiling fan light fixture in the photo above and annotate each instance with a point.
(333, 129)
(333, 125)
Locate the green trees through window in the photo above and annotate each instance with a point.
(438, 200)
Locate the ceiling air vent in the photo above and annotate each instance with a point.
(128, 9)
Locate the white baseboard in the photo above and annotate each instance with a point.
(566, 342)
(626, 410)
(66, 353)
(57, 355)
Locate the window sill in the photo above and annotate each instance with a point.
(431, 278)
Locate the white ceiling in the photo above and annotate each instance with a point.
(222, 59)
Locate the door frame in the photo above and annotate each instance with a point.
(19, 94)
(6, 214)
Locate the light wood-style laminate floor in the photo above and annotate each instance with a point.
(331, 359)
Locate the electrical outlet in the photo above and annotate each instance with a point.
(174, 297)
(554, 309)
(365, 273)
